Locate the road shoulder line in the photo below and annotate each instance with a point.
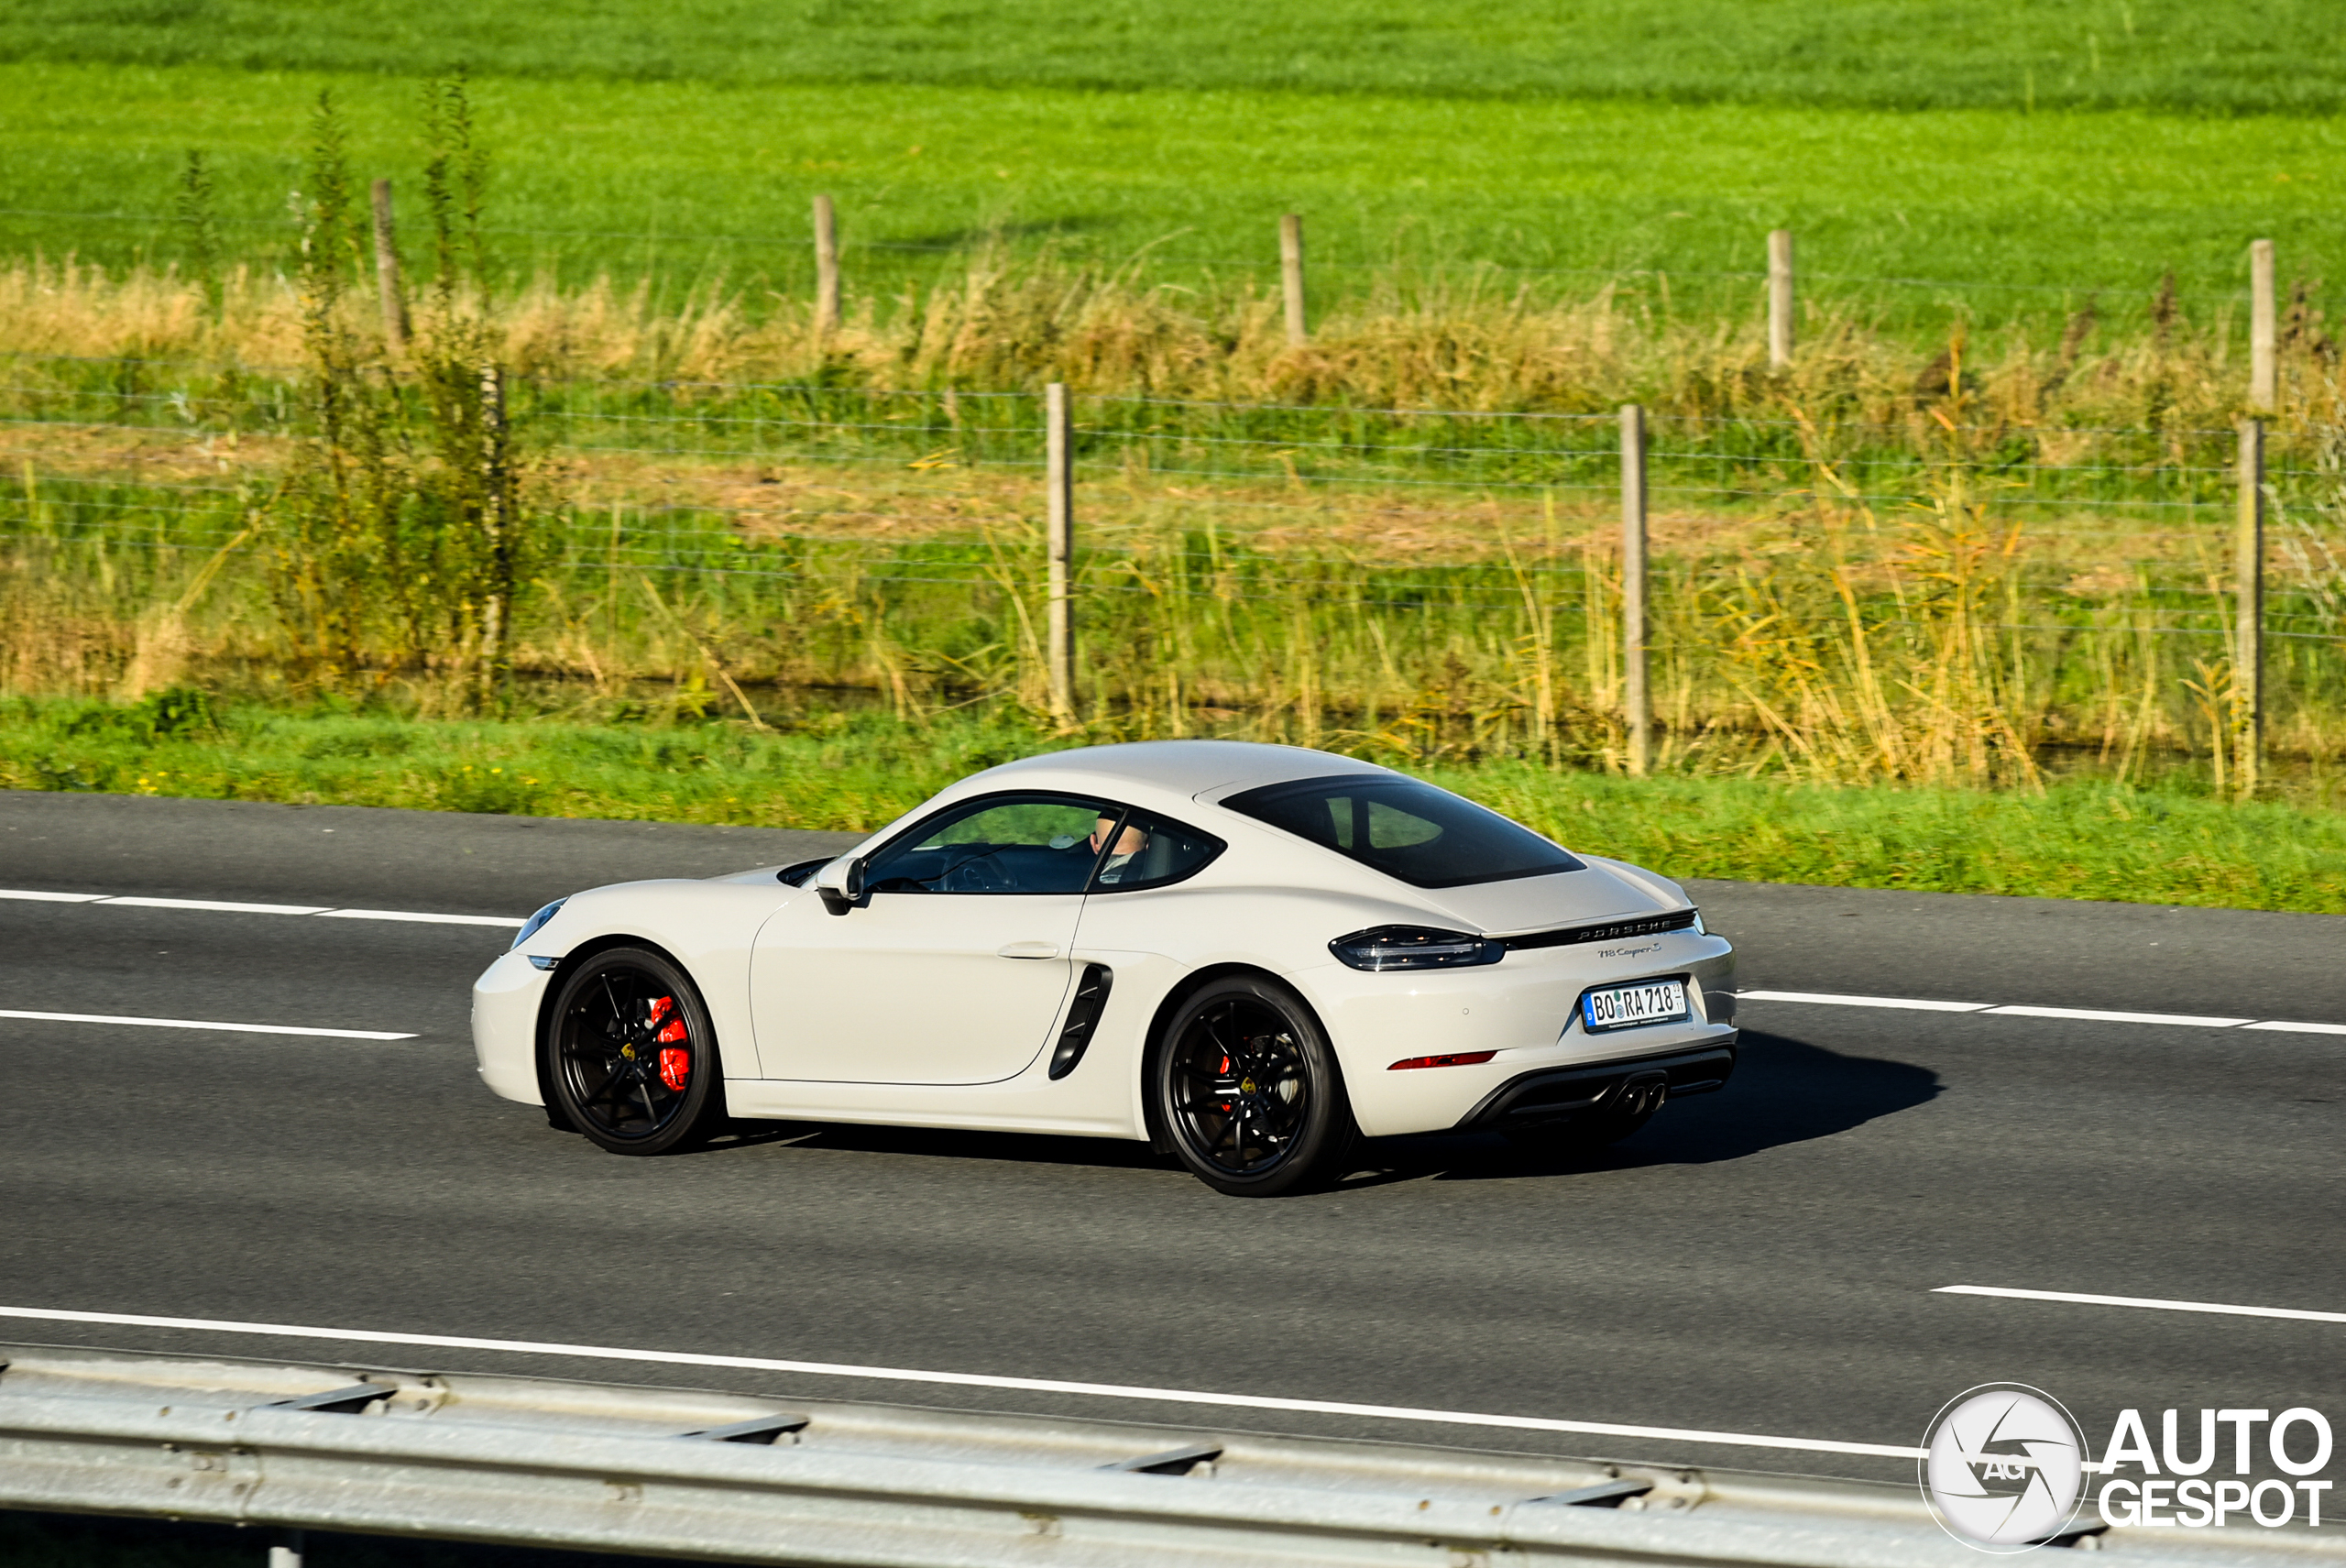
(970, 1380)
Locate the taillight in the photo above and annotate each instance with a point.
(1415, 947)
(1457, 1058)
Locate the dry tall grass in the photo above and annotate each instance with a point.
(1464, 345)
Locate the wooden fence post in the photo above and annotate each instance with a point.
(1299, 329)
(497, 604)
(1637, 710)
(2248, 582)
(386, 273)
(826, 268)
(1779, 298)
(1059, 468)
(2263, 380)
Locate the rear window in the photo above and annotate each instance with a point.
(1424, 836)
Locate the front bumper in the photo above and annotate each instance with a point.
(1564, 1093)
(505, 1026)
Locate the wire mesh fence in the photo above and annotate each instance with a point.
(1925, 596)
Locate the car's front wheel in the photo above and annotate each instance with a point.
(629, 1055)
(1248, 1091)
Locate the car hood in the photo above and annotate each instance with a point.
(1602, 890)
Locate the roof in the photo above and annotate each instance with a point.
(1185, 767)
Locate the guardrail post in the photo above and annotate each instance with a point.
(2263, 378)
(826, 268)
(386, 273)
(1059, 483)
(2248, 579)
(285, 1551)
(1779, 298)
(1637, 712)
(1299, 329)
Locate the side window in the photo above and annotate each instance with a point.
(999, 844)
(1150, 851)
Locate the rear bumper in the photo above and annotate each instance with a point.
(1560, 1093)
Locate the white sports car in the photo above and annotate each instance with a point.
(1247, 955)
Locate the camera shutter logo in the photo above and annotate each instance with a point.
(2004, 1467)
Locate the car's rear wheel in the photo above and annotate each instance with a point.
(630, 1054)
(1248, 1091)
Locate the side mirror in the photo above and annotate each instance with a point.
(841, 884)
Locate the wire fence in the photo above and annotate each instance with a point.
(1455, 572)
(790, 246)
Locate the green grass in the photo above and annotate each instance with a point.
(836, 770)
(696, 180)
(1905, 54)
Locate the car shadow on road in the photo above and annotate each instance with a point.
(944, 1143)
(1785, 1092)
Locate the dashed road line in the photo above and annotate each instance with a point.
(508, 922)
(1826, 998)
(1989, 1009)
(2082, 1299)
(971, 1380)
(215, 906)
(203, 1023)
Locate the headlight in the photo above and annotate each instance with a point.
(530, 927)
(1698, 928)
(1415, 947)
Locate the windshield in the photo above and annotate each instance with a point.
(1424, 836)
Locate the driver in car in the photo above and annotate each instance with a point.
(1128, 846)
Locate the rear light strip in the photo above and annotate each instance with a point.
(1459, 1059)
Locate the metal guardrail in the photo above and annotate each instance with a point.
(682, 1474)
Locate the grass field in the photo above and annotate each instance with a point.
(1993, 212)
(829, 769)
(1904, 54)
(1516, 210)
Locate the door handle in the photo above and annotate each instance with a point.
(1028, 950)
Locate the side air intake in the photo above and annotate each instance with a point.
(1082, 1014)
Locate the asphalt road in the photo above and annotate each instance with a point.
(1759, 1261)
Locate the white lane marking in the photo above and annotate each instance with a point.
(2081, 1299)
(2102, 1015)
(222, 906)
(2186, 1020)
(203, 1023)
(974, 1380)
(1822, 998)
(510, 922)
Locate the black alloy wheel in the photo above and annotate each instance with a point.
(1249, 1091)
(630, 1054)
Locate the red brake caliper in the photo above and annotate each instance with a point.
(675, 1057)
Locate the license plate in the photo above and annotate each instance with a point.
(1626, 1006)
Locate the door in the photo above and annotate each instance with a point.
(953, 966)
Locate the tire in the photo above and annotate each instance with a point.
(630, 1056)
(1248, 1091)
